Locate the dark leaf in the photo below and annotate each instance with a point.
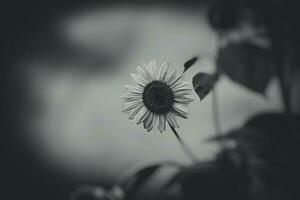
(203, 83)
(175, 179)
(224, 15)
(189, 63)
(140, 178)
(213, 181)
(246, 64)
(278, 130)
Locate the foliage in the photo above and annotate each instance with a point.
(246, 64)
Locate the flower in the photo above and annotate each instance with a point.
(159, 96)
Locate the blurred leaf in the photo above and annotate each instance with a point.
(175, 179)
(137, 177)
(224, 14)
(140, 178)
(203, 83)
(214, 181)
(246, 64)
(189, 63)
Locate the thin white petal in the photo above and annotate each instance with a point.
(162, 71)
(131, 97)
(148, 73)
(148, 122)
(134, 89)
(176, 80)
(182, 92)
(171, 77)
(180, 110)
(179, 106)
(135, 112)
(179, 85)
(165, 118)
(184, 98)
(172, 120)
(142, 115)
(165, 75)
(139, 79)
(152, 69)
(155, 122)
(131, 105)
(175, 120)
(144, 74)
(161, 123)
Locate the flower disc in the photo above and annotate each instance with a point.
(158, 97)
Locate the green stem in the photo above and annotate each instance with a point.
(216, 113)
(186, 149)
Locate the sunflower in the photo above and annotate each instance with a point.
(159, 97)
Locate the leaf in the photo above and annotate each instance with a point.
(278, 130)
(189, 63)
(246, 64)
(175, 179)
(203, 83)
(140, 178)
(214, 182)
(224, 15)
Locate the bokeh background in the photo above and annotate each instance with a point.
(64, 66)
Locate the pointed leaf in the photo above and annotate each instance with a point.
(189, 63)
(139, 179)
(175, 179)
(246, 64)
(203, 83)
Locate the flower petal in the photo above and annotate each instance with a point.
(180, 110)
(131, 97)
(148, 72)
(172, 120)
(152, 69)
(176, 80)
(161, 123)
(155, 122)
(184, 98)
(166, 72)
(134, 89)
(139, 79)
(131, 105)
(162, 71)
(142, 115)
(171, 77)
(148, 122)
(135, 112)
(165, 118)
(142, 72)
(182, 92)
(181, 85)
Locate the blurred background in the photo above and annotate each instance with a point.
(64, 64)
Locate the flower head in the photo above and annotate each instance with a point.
(158, 97)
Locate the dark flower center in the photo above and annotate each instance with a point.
(158, 97)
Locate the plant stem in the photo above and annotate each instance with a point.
(216, 114)
(184, 146)
(216, 118)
